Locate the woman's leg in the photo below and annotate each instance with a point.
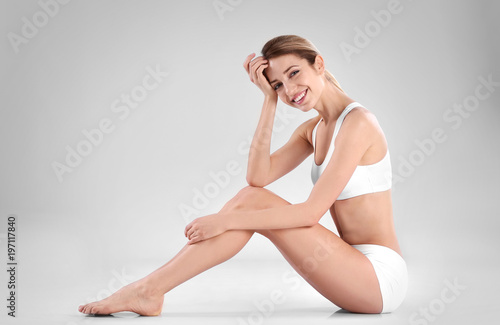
(145, 296)
(337, 270)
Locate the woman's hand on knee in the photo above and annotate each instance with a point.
(204, 228)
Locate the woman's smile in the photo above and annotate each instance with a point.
(300, 97)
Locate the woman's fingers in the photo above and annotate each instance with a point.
(189, 229)
(194, 239)
(190, 233)
(261, 79)
(260, 71)
(250, 64)
(247, 62)
(257, 62)
(255, 65)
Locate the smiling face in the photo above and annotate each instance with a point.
(297, 83)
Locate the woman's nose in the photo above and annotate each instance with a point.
(289, 90)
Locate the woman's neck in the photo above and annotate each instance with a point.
(331, 103)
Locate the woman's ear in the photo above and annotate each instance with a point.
(319, 64)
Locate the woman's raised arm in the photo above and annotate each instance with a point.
(259, 157)
(263, 167)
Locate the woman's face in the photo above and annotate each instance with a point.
(297, 83)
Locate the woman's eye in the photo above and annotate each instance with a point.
(294, 73)
(277, 86)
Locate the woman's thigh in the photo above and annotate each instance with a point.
(334, 268)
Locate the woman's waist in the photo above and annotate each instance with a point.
(371, 236)
(386, 239)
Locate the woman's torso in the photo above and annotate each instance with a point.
(362, 219)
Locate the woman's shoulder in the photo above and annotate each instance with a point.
(362, 125)
(361, 118)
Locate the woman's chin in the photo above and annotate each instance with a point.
(304, 108)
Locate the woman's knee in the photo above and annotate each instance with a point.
(248, 197)
(243, 199)
(250, 190)
(252, 197)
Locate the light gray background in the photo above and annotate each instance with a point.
(120, 209)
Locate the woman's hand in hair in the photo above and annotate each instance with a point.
(255, 69)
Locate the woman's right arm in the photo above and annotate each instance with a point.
(259, 157)
(264, 168)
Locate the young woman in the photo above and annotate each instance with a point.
(362, 270)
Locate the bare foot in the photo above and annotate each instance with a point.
(134, 297)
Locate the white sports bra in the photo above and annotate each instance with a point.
(365, 179)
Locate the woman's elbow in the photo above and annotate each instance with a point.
(255, 182)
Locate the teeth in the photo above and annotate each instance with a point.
(300, 97)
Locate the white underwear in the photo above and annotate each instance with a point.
(391, 272)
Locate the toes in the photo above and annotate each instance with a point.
(91, 309)
(88, 309)
(82, 308)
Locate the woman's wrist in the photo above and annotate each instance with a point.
(271, 99)
(224, 221)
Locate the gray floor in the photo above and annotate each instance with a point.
(241, 292)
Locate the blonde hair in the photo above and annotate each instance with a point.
(293, 44)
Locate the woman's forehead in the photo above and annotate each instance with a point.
(278, 65)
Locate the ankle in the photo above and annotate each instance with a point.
(147, 288)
